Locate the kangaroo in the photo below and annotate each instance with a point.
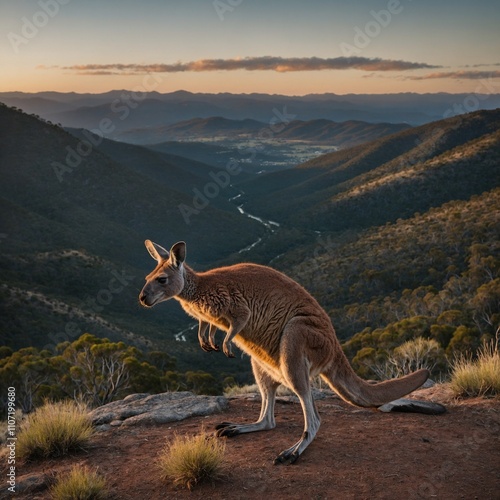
(287, 334)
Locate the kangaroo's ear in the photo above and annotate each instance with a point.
(178, 254)
(156, 251)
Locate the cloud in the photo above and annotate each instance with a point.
(458, 75)
(265, 63)
(479, 65)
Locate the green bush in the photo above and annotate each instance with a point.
(53, 430)
(190, 460)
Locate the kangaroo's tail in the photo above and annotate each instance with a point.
(341, 378)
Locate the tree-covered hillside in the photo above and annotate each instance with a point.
(383, 180)
(72, 257)
(397, 238)
(441, 267)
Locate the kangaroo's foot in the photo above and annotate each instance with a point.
(226, 429)
(289, 456)
(230, 429)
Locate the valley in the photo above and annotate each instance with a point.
(393, 228)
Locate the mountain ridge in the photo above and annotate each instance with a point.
(168, 108)
(321, 179)
(219, 129)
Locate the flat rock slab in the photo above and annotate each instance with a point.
(413, 406)
(144, 409)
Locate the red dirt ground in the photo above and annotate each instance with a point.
(357, 454)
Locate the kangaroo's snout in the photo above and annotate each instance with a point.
(146, 299)
(143, 298)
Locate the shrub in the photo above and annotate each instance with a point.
(53, 430)
(480, 376)
(238, 390)
(416, 354)
(241, 390)
(190, 460)
(80, 483)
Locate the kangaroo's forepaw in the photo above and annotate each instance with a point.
(214, 347)
(227, 351)
(207, 347)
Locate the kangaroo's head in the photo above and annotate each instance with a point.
(167, 279)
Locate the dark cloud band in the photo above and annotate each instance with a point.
(266, 63)
(458, 75)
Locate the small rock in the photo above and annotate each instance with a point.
(31, 483)
(413, 406)
(428, 384)
(102, 428)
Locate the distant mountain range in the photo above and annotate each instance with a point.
(218, 129)
(126, 110)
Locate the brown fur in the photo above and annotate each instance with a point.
(280, 325)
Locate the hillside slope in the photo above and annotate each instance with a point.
(386, 179)
(73, 227)
(450, 251)
(173, 171)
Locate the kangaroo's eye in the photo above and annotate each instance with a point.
(162, 280)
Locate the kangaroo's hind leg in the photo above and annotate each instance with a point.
(266, 421)
(295, 368)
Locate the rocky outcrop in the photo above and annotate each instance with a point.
(147, 409)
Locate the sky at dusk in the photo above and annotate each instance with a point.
(243, 46)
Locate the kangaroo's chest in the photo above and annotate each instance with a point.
(205, 313)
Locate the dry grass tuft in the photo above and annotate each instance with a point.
(190, 460)
(53, 430)
(477, 377)
(81, 483)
